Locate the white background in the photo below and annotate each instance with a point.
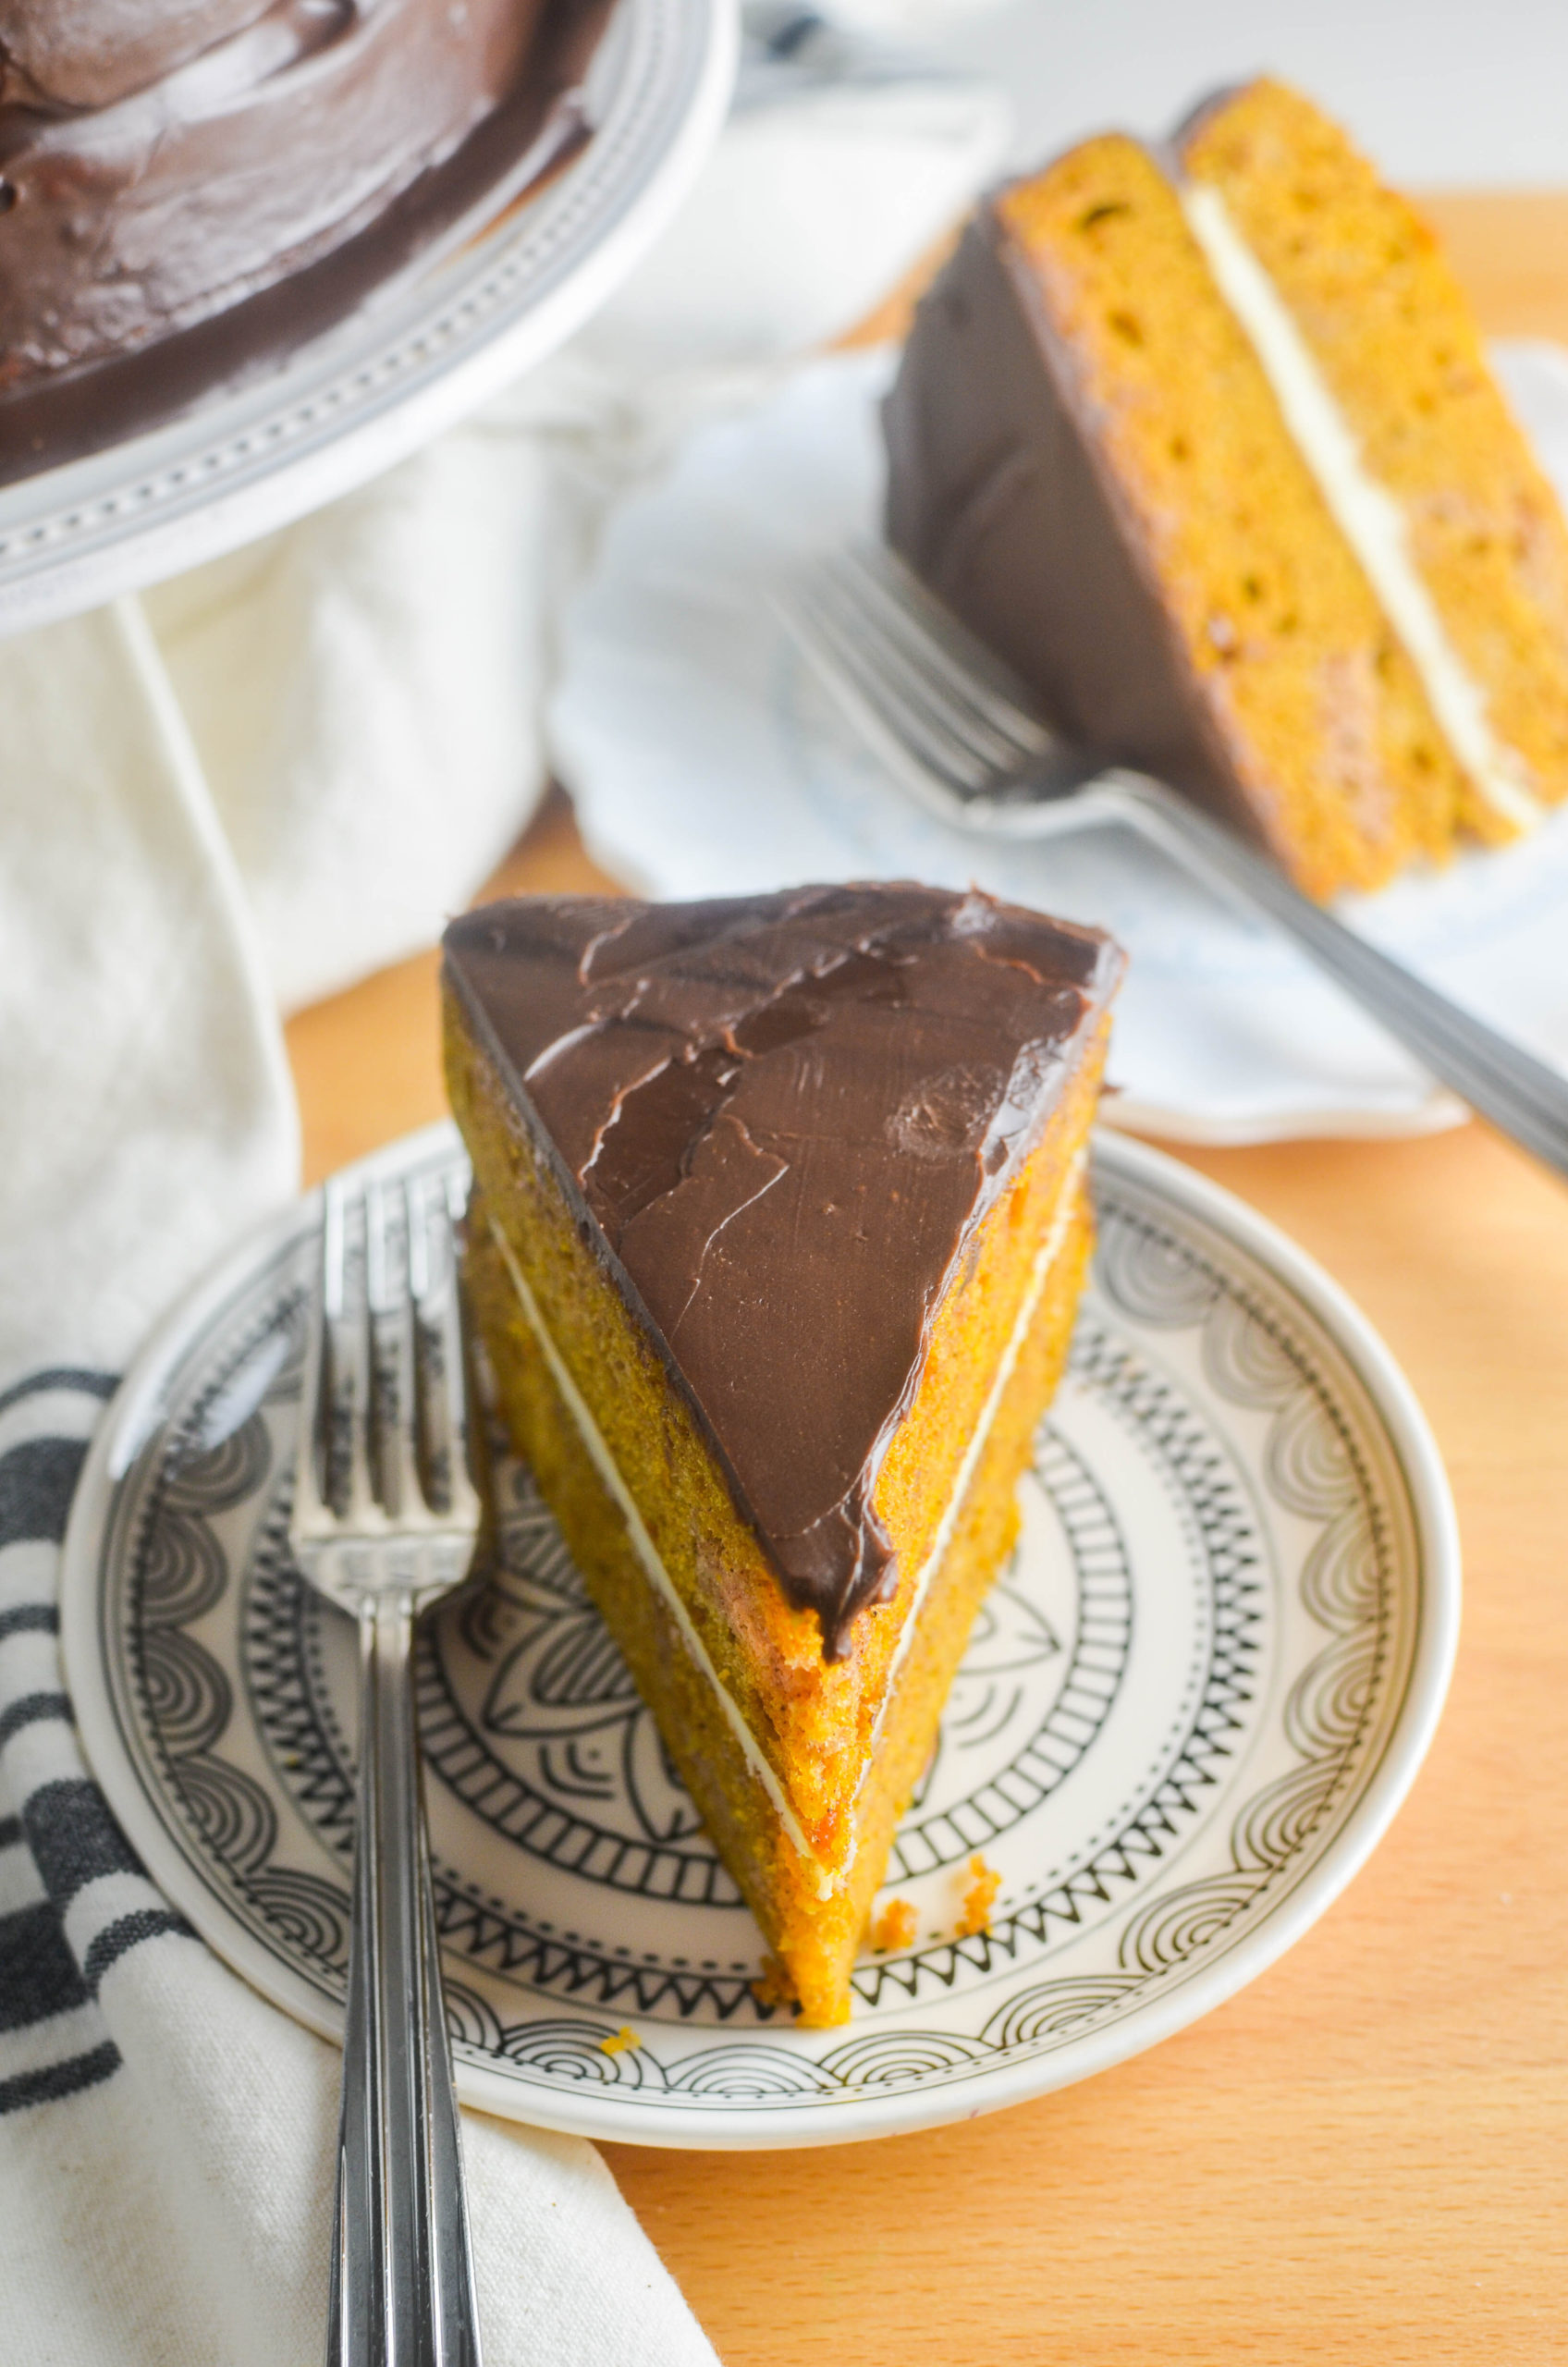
(1450, 94)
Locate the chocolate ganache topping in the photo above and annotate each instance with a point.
(786, 1116)
(999, 498)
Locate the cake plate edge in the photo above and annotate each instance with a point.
(372, 390)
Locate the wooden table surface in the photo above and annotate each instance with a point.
(1363, 2158)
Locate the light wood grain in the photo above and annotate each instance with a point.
(1362, 2159)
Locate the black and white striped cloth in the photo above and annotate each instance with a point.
(166, 2138)
(73, 1897)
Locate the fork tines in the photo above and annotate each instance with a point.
(384, 1435)
(946, 716)
(973, 681)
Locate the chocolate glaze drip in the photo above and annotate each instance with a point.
(998, 499)
(785, 1116)
(181, 205)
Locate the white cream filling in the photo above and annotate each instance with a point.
(1040, 1275)
(1370, 517)
(648, 1554)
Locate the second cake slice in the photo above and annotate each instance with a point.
(780, 1220)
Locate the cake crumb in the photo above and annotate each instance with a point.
(775, 1987)
(984, 1885)
(894, 1928)
(624, 2040)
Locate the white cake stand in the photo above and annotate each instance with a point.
(375, 387)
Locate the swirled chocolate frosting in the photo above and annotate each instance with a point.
(783, 1118)
(189, 189)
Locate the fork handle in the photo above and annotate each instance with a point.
(402, 2269)
(1522, 1097)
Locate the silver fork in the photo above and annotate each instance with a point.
(958, 731)
(383, 1524)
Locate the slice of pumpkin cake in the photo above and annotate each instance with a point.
(1375, 356)
(1200, 437)
(780, 1217)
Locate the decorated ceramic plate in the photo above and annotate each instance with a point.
(1195, 1697)
(369, 391)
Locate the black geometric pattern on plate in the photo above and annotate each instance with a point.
(558, 1699)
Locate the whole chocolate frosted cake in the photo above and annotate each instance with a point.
(187, 189)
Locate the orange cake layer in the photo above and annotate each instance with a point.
(799, 1698)
(1375, 299)
(1323, 717)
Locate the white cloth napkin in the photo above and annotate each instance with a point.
(239, 791)
(165, 2137)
